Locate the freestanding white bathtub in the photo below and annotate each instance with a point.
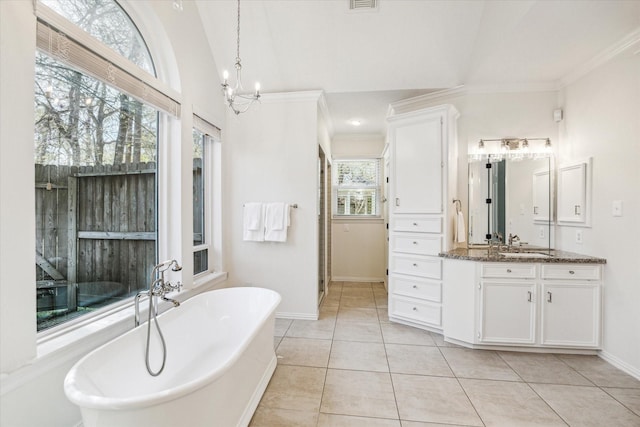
(220, 358)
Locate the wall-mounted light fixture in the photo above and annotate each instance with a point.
(495, 150)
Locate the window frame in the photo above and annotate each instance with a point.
(168, 125)
(208, 165)
(335, 187)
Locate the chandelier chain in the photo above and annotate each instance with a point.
(238, 38)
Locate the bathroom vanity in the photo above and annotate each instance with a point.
(542, 300)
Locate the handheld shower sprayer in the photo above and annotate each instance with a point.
(165, 265)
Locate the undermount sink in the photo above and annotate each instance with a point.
(524, 254)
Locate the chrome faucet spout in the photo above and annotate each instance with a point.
(175, 303)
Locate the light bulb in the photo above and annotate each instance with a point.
(257, 88)
(225, 76)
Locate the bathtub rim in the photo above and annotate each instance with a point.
(84, 400)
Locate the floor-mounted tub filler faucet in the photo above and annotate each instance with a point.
(158, 287)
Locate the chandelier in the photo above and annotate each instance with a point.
(238, 102)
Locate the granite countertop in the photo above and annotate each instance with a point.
(529, 254)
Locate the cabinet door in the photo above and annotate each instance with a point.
(507, 312)
(417, 166)
(571, 314)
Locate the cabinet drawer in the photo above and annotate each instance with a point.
(416, 265)
(502, 270)
(416, 310)
(421, 244)
(417, 223)
(416, 288)
(571, 272)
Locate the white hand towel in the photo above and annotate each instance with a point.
(460, 234)
(276, 222)
(253, 222)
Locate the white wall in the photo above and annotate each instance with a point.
(357, 245)
(602, 121)
(17, 198)
(32, 392)
(272, 156)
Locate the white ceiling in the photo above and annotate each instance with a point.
(364, 60)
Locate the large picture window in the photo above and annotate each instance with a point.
(356, 188)
(95, 171)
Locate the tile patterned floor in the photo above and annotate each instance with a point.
(353, 368)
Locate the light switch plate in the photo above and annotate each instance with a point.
(579, 236)
(616, 208)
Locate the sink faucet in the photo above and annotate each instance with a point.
(513, 238)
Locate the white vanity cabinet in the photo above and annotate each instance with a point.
(507, 312)
(421, 146)
(571, 314)
(543, 305)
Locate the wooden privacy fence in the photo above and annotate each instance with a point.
(95, 232)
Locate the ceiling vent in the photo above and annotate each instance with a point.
(363, 4)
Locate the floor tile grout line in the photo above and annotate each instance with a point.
(617, 400)
(386, 356)
(576, 371)
(548, 404)
(531, 388)
(461, 387)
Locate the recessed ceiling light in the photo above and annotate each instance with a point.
(355, 122)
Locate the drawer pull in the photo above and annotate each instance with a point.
(508, 270)
(415, 286)
(572, 272)
(548, 296)
(415, 243)
(415, 224)
(576, 210)
(415, 308)
(529, 298)
(415, 265)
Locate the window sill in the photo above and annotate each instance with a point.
(69, 344)
(345, 219)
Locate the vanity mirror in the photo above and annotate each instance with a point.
(510, 192)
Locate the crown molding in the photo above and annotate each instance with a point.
(628, 42)
(307, 95)
(422, 101)
(514, 87)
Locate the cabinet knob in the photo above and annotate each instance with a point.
(415, 265)
(572, 272)
(508, 270)
(415, 286)
(415, 224)
(415, 243)
(415, 308)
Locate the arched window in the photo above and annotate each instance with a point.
(96, 140)
(106, 21)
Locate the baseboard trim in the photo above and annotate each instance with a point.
(295, 316)
(623, 366)
(357, 279)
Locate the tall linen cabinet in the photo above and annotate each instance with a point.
(422, 184)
